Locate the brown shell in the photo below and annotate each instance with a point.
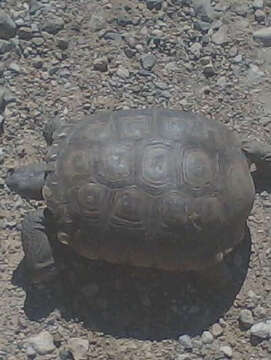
(163, 189)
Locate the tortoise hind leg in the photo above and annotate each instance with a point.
(39, 260)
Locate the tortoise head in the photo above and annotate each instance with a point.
(27, 181)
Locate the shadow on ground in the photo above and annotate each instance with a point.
(261, 181)
(128, 302)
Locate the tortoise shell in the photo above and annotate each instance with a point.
(152, 188)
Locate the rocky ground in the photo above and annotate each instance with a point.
(69, 58)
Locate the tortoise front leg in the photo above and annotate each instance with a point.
(39, 260)
(259, 154)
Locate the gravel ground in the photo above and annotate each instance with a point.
(69, 58)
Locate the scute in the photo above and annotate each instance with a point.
(179, 213)
(199, 169)
(116, 164)
(128, 209)
(157, 169)
(136, 126)
(90, 198)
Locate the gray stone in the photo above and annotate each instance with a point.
(129, 52)
(161, 85)
(258, 4)
(5, 46)
(209, 70)
(196, 50)
(53, 25)
(110, 35)
(164, 94)
(122, 72)
(14, 67)
(97, 20)
(7, 26)
(34, 6)
(220, 37)
(43, 343)
(62, 43)
(203, 9)
(6, 97)
(260, 15)
(148, 61)
(35, 28)
(207, 337)
(186, 342)
(30, 352)
(25, 33)
(100, 64)
(38, 41)
(246, 319)
(261, 330)
(203, 26)
(154, 4)
(237, 59)
(255, 74)
(263, 35)
(78, 347)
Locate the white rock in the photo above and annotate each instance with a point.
(258, 4)
(261, 330)
(226, 350)
(185, 341)
(78, 347)
(43, 343)
(207, 337)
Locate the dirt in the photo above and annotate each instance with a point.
(97, 61)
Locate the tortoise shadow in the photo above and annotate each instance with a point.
(40, 302)
(141, 303)
(261, 182)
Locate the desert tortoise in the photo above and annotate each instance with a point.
(152, 188)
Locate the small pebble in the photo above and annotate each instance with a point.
(100, 64)
(207, 337)
(30, 352)
(226, 350)
(185, 341)
(148, 61)
(78, 347)
(246, 319)
(216, 330)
